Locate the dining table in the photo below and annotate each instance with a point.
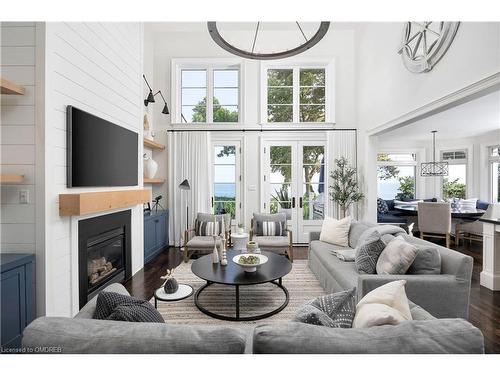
(456, 213)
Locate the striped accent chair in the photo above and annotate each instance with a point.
(200, 238)
(271, 233)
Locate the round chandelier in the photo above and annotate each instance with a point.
(252, 44)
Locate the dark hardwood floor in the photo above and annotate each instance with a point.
(484, 310)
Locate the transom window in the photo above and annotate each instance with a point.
(296, 95)
(208, 94)
(396, 175)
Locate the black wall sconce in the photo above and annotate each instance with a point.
(151, 98)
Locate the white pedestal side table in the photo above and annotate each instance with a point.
(184, 291)
(239, 241)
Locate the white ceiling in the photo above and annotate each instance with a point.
(470, 119)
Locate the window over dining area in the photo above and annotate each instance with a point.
(396, 175)
(455, 184)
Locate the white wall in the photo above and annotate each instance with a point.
(386, 90)
(96, 67)
(18, 136)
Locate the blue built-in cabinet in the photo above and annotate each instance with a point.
(155, 234)
(17, 285)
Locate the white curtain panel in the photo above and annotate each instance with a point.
(341, 143)
(190, 157)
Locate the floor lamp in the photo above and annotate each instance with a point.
(184, 185)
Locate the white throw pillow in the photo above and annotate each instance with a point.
(468, 204)
(336, 231)
(387, 304)
(396, 258)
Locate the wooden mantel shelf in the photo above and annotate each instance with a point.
(11, 178)
(154, 181)
(77, 204)
(10, 88)
(153, 145)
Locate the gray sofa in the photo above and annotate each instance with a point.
(445, 295)
(82, 334)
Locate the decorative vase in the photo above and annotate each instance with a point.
(253, 247)
(223, 260)
(150, 167)
(240, 230)
(215, 253)
(171, 286)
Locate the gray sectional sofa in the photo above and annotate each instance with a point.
(444, 296)
(82, 334)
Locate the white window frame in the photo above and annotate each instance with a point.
(238, 176)
(177, 65)
(419, 182)
(465, 162)
(493, 193)
(328, 65)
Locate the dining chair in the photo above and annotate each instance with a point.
(271, 233)
(434, 220)
(473, 229)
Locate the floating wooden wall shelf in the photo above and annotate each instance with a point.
(10, 88)
(78, 204)
(153, 145)
(11, 178)
(156, 181)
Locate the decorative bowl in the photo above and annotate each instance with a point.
(250, 267)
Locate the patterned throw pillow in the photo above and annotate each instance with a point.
(368, 252)
(271, 228)
(206, 228)
(116, 306)
(335, 310)
(382, 206)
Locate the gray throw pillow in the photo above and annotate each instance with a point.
(335, 310)
(116, 306)
(427, 262)
(367, 253)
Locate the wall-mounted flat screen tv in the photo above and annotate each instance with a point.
(100, 153)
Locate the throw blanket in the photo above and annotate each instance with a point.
(382, 229)
(348, 255)
(345, 255)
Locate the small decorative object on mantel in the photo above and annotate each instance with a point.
(148, 133)
(425, 43)
(150, 166)
(344, 189)
(170, 285)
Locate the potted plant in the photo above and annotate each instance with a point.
(284, 202)
(344, 189)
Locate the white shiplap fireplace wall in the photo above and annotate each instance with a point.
(96, 67)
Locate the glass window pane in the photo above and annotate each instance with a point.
(495, 181)
(281, 154)
(226, 78)
(313, 155)
(313, 209)
(224, 192)
(194, 96)
(224, 173)
(454, 185)
(280, 173)
(312, 95)
(224, 155)
(225, 113)
(281, 192)
(279, 113)
(312, 113)
(312, 191)
(280, 77)
(194, 113)
(194, 78)
(312, 77)
(226, 96)
(396, 157)
(396, 182)
(280, 95)
(227, 207)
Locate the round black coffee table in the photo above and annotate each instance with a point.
(273, 271)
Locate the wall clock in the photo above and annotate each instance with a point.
(425, 43)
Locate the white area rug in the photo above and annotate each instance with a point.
(301, 283)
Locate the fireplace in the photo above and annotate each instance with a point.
(104, 253)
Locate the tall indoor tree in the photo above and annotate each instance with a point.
(344, 189)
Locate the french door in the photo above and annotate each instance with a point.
(294, 182)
